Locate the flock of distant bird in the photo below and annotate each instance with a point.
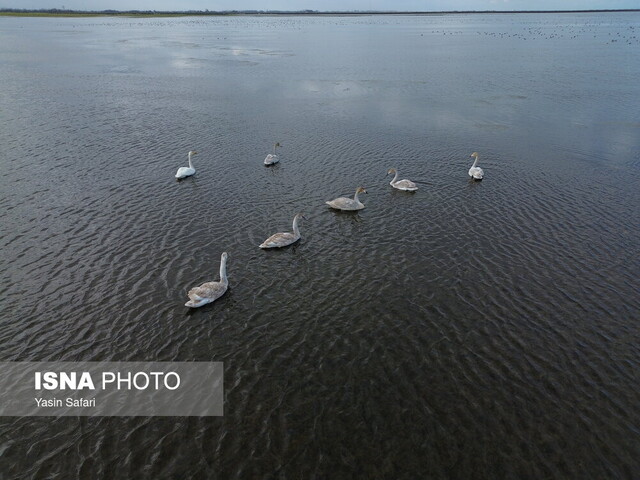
(211, 291)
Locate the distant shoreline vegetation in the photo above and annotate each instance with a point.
(55, 12)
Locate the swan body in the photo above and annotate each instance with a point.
(406, 185)
(349, 204)
(186, 171)
(476, 172)
(272, 157)
(278, 240)
(210, 291)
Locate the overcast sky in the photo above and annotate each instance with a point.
(343, 5)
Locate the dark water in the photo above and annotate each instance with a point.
(470, 330)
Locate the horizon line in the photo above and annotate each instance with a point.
(302, 12)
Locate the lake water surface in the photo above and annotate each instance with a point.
(469, 330)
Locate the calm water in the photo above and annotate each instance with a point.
(470, 330)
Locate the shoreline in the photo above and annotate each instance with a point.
(198, 13)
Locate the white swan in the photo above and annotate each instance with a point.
(272, 157)
(406, 185)
(475, 172)
(344, 203)
(210, 291)
(186, 171)
(278, 240)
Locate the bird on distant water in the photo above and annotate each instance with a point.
(210, 291)
(406, 185)
(283, 239)
(186, 171)
(476, 172)
(272, 157)
(349, 204)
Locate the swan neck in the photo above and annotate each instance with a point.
(395, 177)
(223, 270)
(296, 231)
(474, 163)
(355, 197)
(190, 164)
